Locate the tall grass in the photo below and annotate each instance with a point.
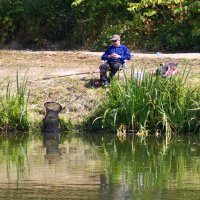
(154, 103)
(13, 107)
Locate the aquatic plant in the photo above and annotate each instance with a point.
(154, 103)
(13, 109)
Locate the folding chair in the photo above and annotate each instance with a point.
(123, 67)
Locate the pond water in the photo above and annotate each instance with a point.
(99, 166)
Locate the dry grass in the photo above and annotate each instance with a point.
(74, 93)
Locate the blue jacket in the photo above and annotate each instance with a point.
(122, 50)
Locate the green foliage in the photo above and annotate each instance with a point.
(33, 21)
(170, 25)
(103, 40)
(153, 25)
(13, 111)
(155, 103)
(66, 125)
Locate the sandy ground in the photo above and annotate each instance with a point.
(42, 64)
(155, 55)
(65, 76)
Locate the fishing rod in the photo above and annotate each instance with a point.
(72, 74)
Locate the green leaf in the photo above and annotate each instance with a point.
(151, 13)
(76, 3)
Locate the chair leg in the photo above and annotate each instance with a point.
(118, 74)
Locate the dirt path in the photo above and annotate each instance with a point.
(155, 55)
(41, 64)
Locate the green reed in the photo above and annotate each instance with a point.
(13, 109)
(154, 103)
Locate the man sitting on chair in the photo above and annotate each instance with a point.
(115, 55)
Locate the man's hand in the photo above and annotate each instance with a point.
(114, 55)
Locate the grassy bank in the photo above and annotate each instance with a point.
(75, 93)
(152, 105)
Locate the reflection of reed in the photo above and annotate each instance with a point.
(14, 153)
(148, 164)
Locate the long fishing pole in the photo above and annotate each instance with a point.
(72, 74)
(124, 66)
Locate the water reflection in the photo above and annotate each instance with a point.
(14, 158)
(99, 167)
(137, 167)
(51, 142)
